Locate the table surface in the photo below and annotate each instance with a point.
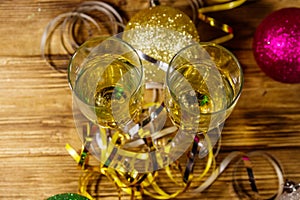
(36, 118)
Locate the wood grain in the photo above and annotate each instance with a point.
(36, 112)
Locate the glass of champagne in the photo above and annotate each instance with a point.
(106, 78)
(203, 84)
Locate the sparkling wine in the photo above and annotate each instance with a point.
(197, 99)
(110, 88)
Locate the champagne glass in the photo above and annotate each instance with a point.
(106, 78)
(203, 84)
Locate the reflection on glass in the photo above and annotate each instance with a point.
(106, 77)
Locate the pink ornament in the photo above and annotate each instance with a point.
(276, 45)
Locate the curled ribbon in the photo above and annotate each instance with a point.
(138, 184)
(65, 27)
(217, 24)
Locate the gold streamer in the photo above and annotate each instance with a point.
(162, 194)
(223, 6)
(136, 185)
(132, 183)
(219, 25)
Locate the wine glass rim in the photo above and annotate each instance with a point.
(117, 38)
(241, 77)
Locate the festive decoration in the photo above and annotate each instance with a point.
(133, 158)
(67, 196)
(276, 45)
(160, 32)
(134, 154)
(291, 191)
(290, 196)
(66, 32)
(149, 184)
(214, 6)
(250, 187)
(164, 16)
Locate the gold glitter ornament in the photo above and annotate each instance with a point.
(166, 17)
(160, 32)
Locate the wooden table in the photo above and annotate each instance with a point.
(36, 111)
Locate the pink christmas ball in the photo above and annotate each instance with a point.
(276, 45)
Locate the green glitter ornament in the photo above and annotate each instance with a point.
(67, 196)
